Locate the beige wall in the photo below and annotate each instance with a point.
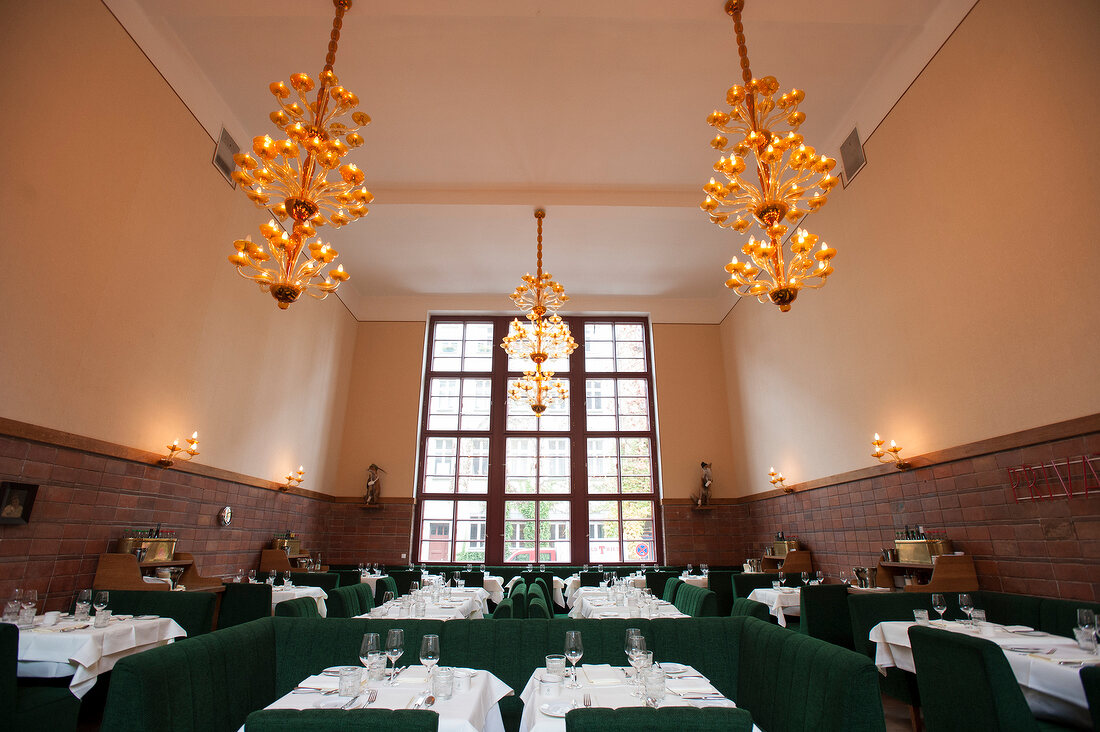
(965, 303)
(123, 320)
(691, 399)
(383, 409)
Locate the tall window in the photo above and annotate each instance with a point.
(498, 485)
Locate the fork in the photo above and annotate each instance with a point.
(587, 699)
(371, 696)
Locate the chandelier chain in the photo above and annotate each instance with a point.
(539, 215)
(337, 23)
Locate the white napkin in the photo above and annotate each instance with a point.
(690, 686)
(602, 674)
(322, 682)
(413, 675)
(1018, 628)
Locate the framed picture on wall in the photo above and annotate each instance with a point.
(16, 501)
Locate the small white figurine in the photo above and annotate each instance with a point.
(374, 489)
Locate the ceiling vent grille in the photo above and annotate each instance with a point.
(851, 157)
(223, 156)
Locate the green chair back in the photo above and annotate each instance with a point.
(1059, 616)
(591, 579)
(743, 583)
(52, 708)
(325, 580)
(242, 602)
(504, 609)
(343, 602)
(656, 582)
(518, 597)
(752, 608)
(347, 577)
(194, 611)
(384, 585)
(671, 587)
(824, 613)
(1090, 679)
(330, 720)
(366, 596)
(720, 582)
(631, 719)
(403, 578)
(966, 684)
(474, 578)
(299, 607)
(537, 608)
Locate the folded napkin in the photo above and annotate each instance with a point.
(690, 686)
(1018, 628)
(602, 674)
(413, 675)
(122, 617)
(322, 682)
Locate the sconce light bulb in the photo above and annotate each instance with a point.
(893, 444)
(877, 438)
(195, 435)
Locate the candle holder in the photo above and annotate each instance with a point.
(293, 480)
(175, 452)
(890, 455)
(777, 479)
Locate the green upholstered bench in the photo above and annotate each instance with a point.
(325, 580)
(31, 708)
(337, 720)
(194, 611)
(697, 602)
(631, 719)
(824, 614)
(244, 601)
(349, 601)
(787, 681)
(751, 608)
(299, 607)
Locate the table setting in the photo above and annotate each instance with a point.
(285, 592)
(781, 602)
(601, 603)
(1046, 666)
(58, 646)
(465, 698)
(552, 692)
(435, 602)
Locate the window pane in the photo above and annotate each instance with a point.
(555, 419)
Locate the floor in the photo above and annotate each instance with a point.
(897, 715)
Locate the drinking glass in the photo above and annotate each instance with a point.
(251, 576)
(429, 653)
(654, 686)
(689, 569)
(395, 648)
(939, 604)
(805, 578)
(371, 644)
(641, 659)
(574, 650)
(635, 644)
(83, 605)
(820, 576)
(782, 579)
(966, 605)
(286, 579)
(11, 611)
(102, 598)
(482, 568)
(28, 605)
(1086, 618)
(387, 596)
(361, 567)
(414, 586)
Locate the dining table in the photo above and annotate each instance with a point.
(598, 603)
(494, 585)
(282, 593)
(454, 603)
(781, 603)
(1047, 666)
(473, 710)
(77, 649)
(606, 686)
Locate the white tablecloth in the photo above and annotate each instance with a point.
(593, 603)
(283, 593)
(459, 604)
(573, 583)
(1052, 690)
(612, 694)
(475, 710)
(88, 652)
(696, 579)
(495, 587)
(780, 602)
(557, 590)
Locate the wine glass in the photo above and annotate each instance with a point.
(414, 586)
(805, 578)
(361, 567)
(635, 651)
(782, 579)
(251, 576)
(689, 569)
(286, 579)
(371, 644)
(966, 605)
(387, 596)
(29, 602)
(629, 644)
(102, 598)
(429, 653)
(482, 568)
(820, 576)
(395, 648)
(574, 650)
(939, 604)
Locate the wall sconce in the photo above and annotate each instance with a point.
(777, 479)
(890, 455)
(293, 480)
(175, 452)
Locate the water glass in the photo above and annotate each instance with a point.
(555, 664)
(26, 617)
(1086, 618)
(463, 678)
(251, 576)
(551, 685)
(977, 619)
(102, 618)
(376, 665)
(921, 617)
(443, 683)
(350, 680)
(1086, 639)
(11, 611)
(775, 584)
(654, 679)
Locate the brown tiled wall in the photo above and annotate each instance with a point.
(1044, 547)
(693, 536)
(85, 501)
(355, 534)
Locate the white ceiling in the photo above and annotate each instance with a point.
(485, 109)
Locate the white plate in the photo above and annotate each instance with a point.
(556, 709)
(146, 617)
(674, 669)
(335, 670)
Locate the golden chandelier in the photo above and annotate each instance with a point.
(545, 337)
(295, 172)
(784, 166)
